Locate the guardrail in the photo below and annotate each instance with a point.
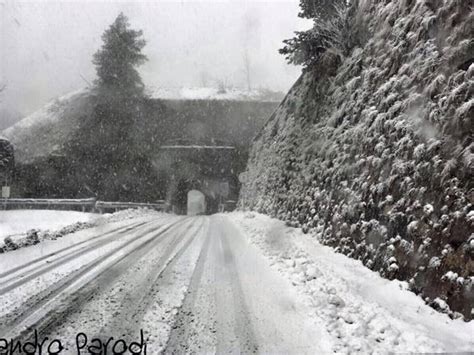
(102, 206)
(87, 204)
(83, 204)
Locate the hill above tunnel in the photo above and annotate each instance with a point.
(46, 169)
(198, 113)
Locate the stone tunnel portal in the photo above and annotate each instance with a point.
(208, 169)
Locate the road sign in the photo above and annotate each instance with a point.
(224, 189)
(5, 191)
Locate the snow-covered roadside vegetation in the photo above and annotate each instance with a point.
(360, 309)
(21, 228)
(13, 222)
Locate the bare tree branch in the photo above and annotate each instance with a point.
(247, 68)
(87, 82)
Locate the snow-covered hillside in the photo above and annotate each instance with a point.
(44, 132)
(373, 152)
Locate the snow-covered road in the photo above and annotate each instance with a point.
(237, 303)
(219, 284)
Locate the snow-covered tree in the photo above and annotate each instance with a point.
(328, 32)
(312, 9)
(117, 59)
(106, 150)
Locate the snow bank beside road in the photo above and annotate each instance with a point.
(20, 228)
(363, 311)
(20, 221)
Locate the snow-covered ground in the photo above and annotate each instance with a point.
(234, 282)
(17, 225)
(359, 309)
(20, 221)
(211, 93)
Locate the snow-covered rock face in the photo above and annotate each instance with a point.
(376, 157)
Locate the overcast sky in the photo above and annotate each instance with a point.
(46, 46)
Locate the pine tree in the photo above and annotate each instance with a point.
(118, 58)
(329, 31)
(106, 151)
(320, 9)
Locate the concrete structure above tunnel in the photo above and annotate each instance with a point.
(187, 144)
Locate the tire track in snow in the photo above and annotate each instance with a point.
(243, 326)
(181, 334)
(51, 307)
(213, 314)
(57, 252)
(40, 269)
(135, 303)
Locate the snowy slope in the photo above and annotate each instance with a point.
(375, 149)
(46, 130)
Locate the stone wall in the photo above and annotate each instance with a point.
(373, 152)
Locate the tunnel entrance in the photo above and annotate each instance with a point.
(196, 203)
(194, 197)
(209, 169)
